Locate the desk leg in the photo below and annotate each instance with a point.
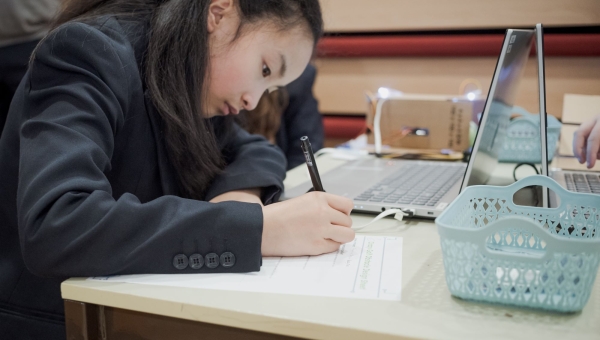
(81, 320)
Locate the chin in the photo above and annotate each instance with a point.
(211, 114)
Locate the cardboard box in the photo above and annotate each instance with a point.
(446, 118)
(579, 108)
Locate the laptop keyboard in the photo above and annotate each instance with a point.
(422, 184)
(589, 183)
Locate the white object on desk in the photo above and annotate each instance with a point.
(369, 267)
(398, 215)
(343, 153)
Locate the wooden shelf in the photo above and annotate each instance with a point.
(410, 15)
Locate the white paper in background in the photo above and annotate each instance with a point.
(369, 267)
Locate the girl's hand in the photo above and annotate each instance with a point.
(586, 142)
(312, 224)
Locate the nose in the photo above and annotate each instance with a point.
(250, 101)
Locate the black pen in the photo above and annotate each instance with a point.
(311, 164)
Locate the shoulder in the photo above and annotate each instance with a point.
(96, 52)
(91, 61)
(101, 43)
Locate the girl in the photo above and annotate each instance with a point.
(118, 158)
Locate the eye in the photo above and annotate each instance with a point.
(266, 71)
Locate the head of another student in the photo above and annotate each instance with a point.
(208, 58)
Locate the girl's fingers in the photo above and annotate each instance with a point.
(339, 203)
(339, 218)
(339, 234)
(328, 246)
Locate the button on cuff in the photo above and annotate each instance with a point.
(196, 261)
(180, 261)
(211, 260)
(227, 259)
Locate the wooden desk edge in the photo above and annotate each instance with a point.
(78, 290)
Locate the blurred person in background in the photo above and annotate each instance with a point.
(586, 142)
(285, 115)
(22, 24)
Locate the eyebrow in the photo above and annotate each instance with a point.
(283, 66)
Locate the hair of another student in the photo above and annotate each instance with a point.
(265, 119)
(176, 67)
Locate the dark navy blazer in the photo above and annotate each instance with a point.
(86, 187)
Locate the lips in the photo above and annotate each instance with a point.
(230, 109)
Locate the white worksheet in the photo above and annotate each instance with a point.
(369, 267)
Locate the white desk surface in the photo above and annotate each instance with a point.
(426, 309)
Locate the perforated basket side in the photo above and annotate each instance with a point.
(563, 283)
(523, 138)
(499, 252)
(523, 143)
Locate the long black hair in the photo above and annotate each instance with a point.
(176, 67)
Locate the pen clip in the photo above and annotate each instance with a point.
(311, 164)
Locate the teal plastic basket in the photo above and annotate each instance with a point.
(522, 142)
(499, 252)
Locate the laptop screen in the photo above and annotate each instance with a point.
(499, 104)
(541, 73)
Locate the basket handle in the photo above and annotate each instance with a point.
(540, 180)
(520, 110)
(481, 235)
(552, 121)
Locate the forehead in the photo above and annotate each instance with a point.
(272, 36)
(270, 40)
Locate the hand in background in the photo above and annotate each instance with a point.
(586, 142)
(314, 223)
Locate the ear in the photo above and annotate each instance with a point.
(216, 11)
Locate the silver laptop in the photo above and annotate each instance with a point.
(425, 188)
(578, 181)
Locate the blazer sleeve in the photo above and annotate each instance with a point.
(253, 162)
(74, 101)
(302, 117)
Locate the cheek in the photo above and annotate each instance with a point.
(228, 79)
